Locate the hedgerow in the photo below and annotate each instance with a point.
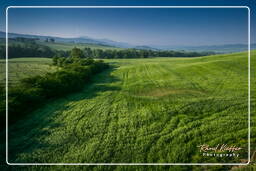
(34, 91)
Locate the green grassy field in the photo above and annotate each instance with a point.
(20, 68)
(143, 111)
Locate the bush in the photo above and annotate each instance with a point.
(21, 100)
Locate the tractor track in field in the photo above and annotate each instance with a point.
(74, 130)
(164, 125)
(115, 98)
(155, 140)
(148, 76)
(222, 82)
(190, 81)
(197, 86)
(95, 107)
(217, 89)
(125, 78)
(107, 121)
(106, 105)
(162, 133)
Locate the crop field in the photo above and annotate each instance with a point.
(20, 68)
(155, 110)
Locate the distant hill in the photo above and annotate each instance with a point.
(228, 48)
(62, 46)
(83, 39)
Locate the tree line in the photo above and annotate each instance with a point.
(30, 48)
(138, 53)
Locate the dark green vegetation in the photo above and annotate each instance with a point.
(135, 53)
(33, 91)
(145, 110)
(25, 47)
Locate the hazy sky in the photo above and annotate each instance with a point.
(136, 26)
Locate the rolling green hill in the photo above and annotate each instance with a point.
(155, 110)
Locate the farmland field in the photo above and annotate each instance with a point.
(155, 110)
(20, 68)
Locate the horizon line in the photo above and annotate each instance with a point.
(133, 44)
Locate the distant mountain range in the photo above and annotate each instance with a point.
(228, 48)
(83, 39)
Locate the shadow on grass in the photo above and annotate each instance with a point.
(97, 85)
(25, 135)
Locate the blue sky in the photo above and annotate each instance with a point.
(135, 26)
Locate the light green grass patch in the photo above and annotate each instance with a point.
(19, 68)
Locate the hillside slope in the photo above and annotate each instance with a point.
(143, 110)
(61, 45)
(83, 39)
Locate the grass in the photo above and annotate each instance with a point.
(19, 68)
(143, 110)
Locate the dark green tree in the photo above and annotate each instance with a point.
(87, 52)
(52, 40)
(77, 53)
